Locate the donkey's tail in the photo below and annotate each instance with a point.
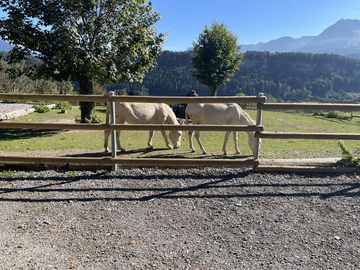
(186, 118)
(186, 122)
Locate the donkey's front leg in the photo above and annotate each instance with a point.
(191, 134)
(197, 136)
(166, 139)
(151, 136)
(226, 139)
(235, 136)
(106, 140)
(122, 149)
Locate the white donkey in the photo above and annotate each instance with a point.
(144, 113)
(219, 114)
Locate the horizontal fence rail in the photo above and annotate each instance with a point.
(142, 99)
(136, 161)
(258, 128)
(131, 127)
(302, 135)
(304, 107)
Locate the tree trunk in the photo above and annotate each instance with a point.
(87, 108)
(213, 90)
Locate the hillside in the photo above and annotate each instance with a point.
(285, 76)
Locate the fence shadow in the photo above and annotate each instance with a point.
(228, 186)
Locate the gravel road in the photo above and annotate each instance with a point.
(209, 218)
(10, 107)
(14, 110)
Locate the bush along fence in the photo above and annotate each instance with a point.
(183, 162)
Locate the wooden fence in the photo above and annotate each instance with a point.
(138, 161)
(355, 101)
(258, 128)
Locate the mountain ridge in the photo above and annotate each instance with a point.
(341, 38)
(4, 46)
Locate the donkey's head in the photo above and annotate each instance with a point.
(175, 137)
(252, 141)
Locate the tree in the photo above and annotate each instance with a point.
(84, 40)
(14, 84)
(215, 56)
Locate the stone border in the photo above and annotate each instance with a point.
(20, 113)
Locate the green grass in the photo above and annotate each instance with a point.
(305, 122)
(136, 141)
(22, 139)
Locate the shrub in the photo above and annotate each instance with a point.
(41, 108)
(63, 105)
(95, 119)
(319, 113)
(332, 114)
(336, 114)
(349, 159)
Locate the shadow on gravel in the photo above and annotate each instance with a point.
(141, 151)
(156, 153)
(222, 188)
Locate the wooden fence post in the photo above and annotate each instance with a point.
(258, 122)
(113, 132)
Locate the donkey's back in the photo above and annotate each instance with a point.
(216, 114)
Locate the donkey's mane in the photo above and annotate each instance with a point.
(247, 117)
(171, 119)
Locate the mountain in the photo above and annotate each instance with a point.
(342, 38)
(286, 44)
(252, 47)
(4, 46)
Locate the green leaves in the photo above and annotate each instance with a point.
(348, 159)
(108, 40)
(84, 40)
(215, 56)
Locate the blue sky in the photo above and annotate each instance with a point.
(252, 20)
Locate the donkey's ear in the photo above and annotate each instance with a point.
(182, 122)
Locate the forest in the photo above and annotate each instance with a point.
(281, 76)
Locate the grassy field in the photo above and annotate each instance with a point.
(29, 140)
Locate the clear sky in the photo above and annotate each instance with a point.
(252, 20)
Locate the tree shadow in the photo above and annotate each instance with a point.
(16, 134)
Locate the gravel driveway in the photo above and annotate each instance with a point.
(14, 110)
(11, 107)
(209, 218)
